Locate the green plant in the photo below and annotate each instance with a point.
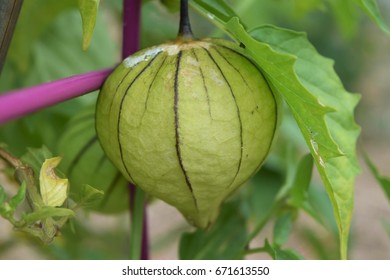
(315, 100)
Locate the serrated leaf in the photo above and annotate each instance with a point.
(317, 76)
(19, 197)
(225, 240)
(383, 181)
(88, 10)
(319, 103)
(47, 212)
(54, 190)
(370, 7)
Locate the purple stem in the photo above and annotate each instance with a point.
(130, 44)
(131, 27)
(18, 103)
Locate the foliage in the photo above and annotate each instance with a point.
(318, 118)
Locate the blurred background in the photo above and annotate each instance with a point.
(47, 46)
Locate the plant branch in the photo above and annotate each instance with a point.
(18, 103)
(137, 224)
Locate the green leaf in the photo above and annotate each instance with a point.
(282, 228)
(35, 157)
(300, 186)
(19, 197)
(314, 75)
(38, 14)
(298, 176)
(299, 191)
(88, 196)
(259, 194)
(225, 240)
(322, 108)
(383, 181)
(278, 254)
(346, 16)
(88, 11)
(85, 163)
(370, 7)
(47, 212)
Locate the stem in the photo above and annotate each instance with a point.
(137, 223)
(24, 173)
(185, 31)
(131, 27)
(9, 13)
(139, 245)
(18, 103)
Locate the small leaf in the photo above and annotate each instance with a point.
(278, 254)
(19, 197)
(302, 180)
(88, 11)
(299, 192)
(54, 190)
(225, 240)
(370, 7)
(383, 181)
(282, 228)
(47, 212)
(88, 196)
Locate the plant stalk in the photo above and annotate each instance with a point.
(137, 237)
(185, 31)
(139, 243)
(131, 27)
(21, 102)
